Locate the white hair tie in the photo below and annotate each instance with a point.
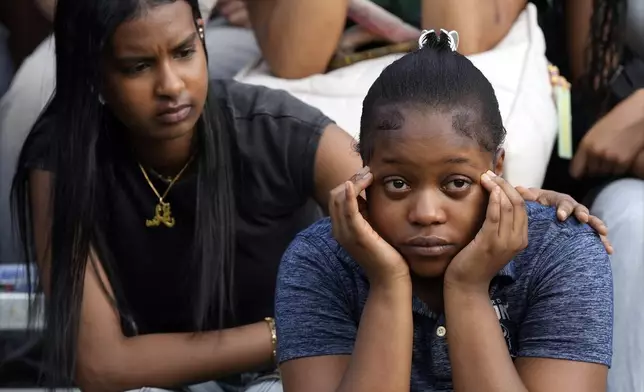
(452, 37)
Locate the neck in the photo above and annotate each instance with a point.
(166, 157)
(430, 291)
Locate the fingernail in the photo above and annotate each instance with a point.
(490, 173)
(485, 177)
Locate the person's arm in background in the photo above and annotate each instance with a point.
(297, 38)
(481, 24)
(614, 146)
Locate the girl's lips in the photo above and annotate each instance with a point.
(427, 251)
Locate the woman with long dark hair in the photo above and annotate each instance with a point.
(157, 205)
(157, 177)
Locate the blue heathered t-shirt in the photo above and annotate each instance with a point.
(553, 300)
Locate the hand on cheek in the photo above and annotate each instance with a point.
(504, 233)
(382, 264)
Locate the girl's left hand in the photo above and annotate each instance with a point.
(503, 234)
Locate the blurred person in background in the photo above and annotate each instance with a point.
(602, 54)
(232, 44)
(328, 52)
(17, 38)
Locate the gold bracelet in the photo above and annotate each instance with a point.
(271, 326)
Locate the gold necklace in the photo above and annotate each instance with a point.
(162, 211)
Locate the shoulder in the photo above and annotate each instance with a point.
(316, 272)
(317, 245)
(277, 137)
(565, 288)
(249, 102)
(545, 230)
(38, 151)
(569, 248)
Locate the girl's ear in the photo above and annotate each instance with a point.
(499, 157)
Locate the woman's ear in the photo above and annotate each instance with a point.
(499, 157)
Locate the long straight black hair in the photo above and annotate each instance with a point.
(82, 31)
(604, 51)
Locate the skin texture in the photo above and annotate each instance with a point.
(411, 192)
(166, 73)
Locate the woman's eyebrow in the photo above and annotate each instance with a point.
(136, 58)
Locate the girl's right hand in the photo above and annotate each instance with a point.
(380, 261)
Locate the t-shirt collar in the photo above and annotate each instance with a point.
(505, 276)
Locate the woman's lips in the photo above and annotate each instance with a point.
(174, 116)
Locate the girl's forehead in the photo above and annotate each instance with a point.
(432, 127)
(428, 139)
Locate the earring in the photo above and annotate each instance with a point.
(200, 29)
(101, 100)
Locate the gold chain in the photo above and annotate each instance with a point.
(162, 211)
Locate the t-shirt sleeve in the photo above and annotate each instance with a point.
(38, 151)
(278, 135)
(570, 312)
(313, 316)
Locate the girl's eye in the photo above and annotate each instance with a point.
(396, 185)
(459, 184)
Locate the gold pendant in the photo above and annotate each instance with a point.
(162, 214)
